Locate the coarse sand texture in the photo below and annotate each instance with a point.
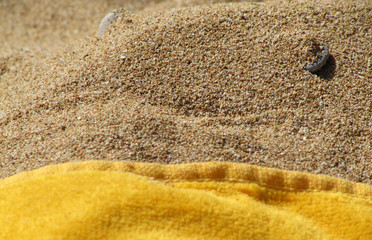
(215, 82)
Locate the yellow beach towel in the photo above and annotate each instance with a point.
(215, 200)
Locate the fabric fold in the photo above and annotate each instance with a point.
(214, 200)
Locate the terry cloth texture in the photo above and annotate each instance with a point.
(128, 200)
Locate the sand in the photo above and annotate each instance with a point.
(177, 82)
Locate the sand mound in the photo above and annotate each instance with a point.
(217, 82)
(43, 24)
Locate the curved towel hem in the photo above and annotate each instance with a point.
(207, 171)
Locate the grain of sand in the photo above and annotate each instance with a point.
(221, 82)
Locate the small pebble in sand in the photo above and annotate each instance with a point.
(321, 61)
(106, 21)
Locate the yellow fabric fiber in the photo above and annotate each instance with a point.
(214, 200)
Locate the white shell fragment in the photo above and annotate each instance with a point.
(316, 66)
(106, 21)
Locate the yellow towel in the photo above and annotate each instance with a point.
(215, 200)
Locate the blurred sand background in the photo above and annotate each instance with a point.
(178, 81)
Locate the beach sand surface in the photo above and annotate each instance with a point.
(187, 81)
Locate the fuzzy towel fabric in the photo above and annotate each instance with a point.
(214, 200)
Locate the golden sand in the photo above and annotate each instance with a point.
(221, 82)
